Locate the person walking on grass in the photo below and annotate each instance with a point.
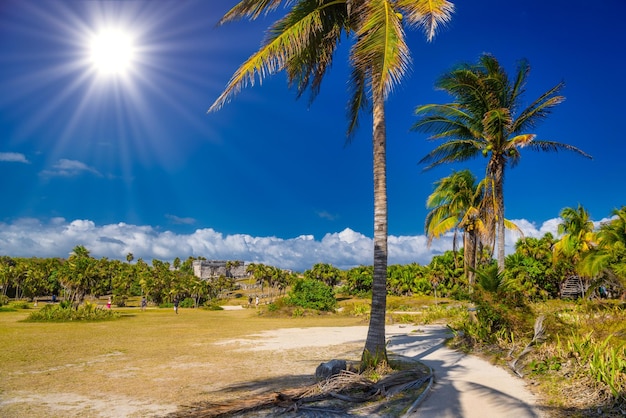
(144, 303)
(176, 305)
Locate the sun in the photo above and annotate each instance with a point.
(112, 52)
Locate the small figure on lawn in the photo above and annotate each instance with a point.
(109, 303)
(176, 305)
(144, 303)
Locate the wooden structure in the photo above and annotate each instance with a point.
(573, 287)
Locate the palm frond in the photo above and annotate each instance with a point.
(251, 9)
(539, 109)
(555, 147)
(496, 121)
(452, 151)
(444, 121)
(358, 101)
(288, 38)
(517, 89)
(308, 67)
(380, 49)
(437, 229)
(427, 15)
(513, 227)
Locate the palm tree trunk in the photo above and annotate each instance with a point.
(469, 256)
(375, 350)
(499, 195)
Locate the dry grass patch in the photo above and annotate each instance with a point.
(148, 363)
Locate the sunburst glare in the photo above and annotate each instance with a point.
(112, 51)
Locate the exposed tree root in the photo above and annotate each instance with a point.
(345, 390)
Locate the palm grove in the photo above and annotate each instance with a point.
(484, 120)
(303, 44)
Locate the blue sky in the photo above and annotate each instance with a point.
(134, 163)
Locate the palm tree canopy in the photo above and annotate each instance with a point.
(304, 41)
(455, 203)
(485, 117)
(577, 231)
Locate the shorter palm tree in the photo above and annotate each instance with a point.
(456, 206)
(577, 236)
(607, 260)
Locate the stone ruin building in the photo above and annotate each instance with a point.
(212, 269)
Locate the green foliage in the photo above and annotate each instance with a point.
(20, 304)
(65, 313)
(372, 362)
(4, 300)
(358, 281)
(298, 312)
(489, 279)
(604, 362)
(443, 311)
(187, 303)
(119, 301)
(545, 365)
(325, 273)
(312, 294)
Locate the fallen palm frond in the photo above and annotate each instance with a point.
(538, 337)
(342, 390)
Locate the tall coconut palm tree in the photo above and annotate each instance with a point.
(303, 44)
(487, 118)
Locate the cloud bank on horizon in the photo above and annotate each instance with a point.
(29, 237)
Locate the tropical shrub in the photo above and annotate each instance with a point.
(65, 313)
(312, 294)
(358, 281)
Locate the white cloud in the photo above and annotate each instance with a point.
(69, 168)
(13, 157)
(29, 237)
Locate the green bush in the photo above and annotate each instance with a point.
(65, 313)
(187, 303)
(4, 300)
(119, 301)
(312, 294)
(20, 304)
(212, 306)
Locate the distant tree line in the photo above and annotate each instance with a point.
(81, 275)
(535, 271)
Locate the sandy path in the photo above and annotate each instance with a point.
(465, 386)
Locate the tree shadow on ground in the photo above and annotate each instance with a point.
(347, 394)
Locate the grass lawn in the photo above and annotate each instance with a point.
(148, 363)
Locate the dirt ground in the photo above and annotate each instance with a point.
(122, 383)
